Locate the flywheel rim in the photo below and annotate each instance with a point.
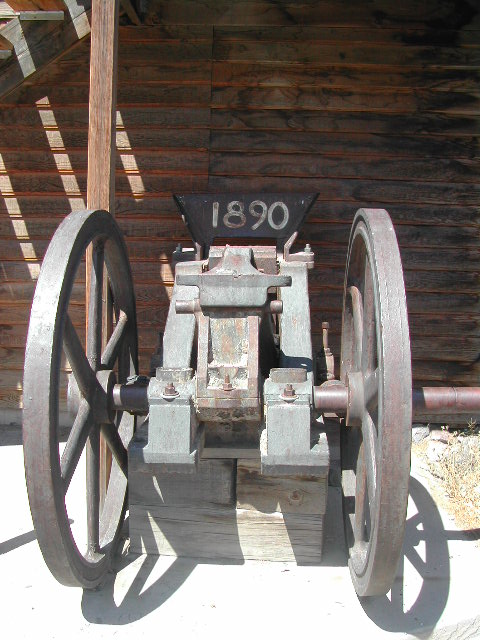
(374, 496)
(49, 324)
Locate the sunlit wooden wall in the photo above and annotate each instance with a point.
(368, 104)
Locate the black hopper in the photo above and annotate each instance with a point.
(243, 215)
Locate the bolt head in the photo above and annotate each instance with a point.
(227, 385)
(170, 390)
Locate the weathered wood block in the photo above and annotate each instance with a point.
(178, 513)
(280, 518)
(227, 511)
(285, 494)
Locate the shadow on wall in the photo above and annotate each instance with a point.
(43, 164)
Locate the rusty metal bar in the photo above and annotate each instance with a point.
(446, 401)
(331, 398)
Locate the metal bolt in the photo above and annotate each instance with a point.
(289, 391)
(308, 248)
(170, 390)
(325, 328)
(227, 385)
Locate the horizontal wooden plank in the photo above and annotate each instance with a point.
(414, 123)
(171, 51)
(427, 281)
(324, 166)
(166, 95)
(154, 33)
(346, 145)
(376, 14)
(443, 304)
(407, 235)
(454, 348)
(346, 52)
(67, 117)
(400, 34)
(70, 140)
(415, 213)
(333, 99)
(135, 227)
(138, 174)
(369, 193)
(225, 533)
(76, 117)
(446, 326)
(132, 72)
(273, 73)
(74, 185)
(141, 161)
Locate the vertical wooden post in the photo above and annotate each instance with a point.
(101, 171)
(103, 105)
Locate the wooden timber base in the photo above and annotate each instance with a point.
(226, 511)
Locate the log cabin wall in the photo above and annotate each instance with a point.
(367, 103)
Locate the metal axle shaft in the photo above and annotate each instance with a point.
(334, 397)
(426, 401)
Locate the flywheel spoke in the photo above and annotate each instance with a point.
(370, 455)
(115, 443)
(76, 443)
(94, 328)
(73, 348)
(357, 313)
(360, 497)
(111, 351)
(369, 334)
(93, 491)
(370, 390)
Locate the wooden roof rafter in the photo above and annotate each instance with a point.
(25, 10)
(33, 33)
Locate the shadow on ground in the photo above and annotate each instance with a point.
(424, 571)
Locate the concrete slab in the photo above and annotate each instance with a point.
(435, 594)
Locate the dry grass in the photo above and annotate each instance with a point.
(459, 472)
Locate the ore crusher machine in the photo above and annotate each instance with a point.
(236, 367)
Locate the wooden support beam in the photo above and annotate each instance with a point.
(35, 5)
(101, 155)
(37, 16)
(102, 107)
(31, 10)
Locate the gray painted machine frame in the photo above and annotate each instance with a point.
(237, 373)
